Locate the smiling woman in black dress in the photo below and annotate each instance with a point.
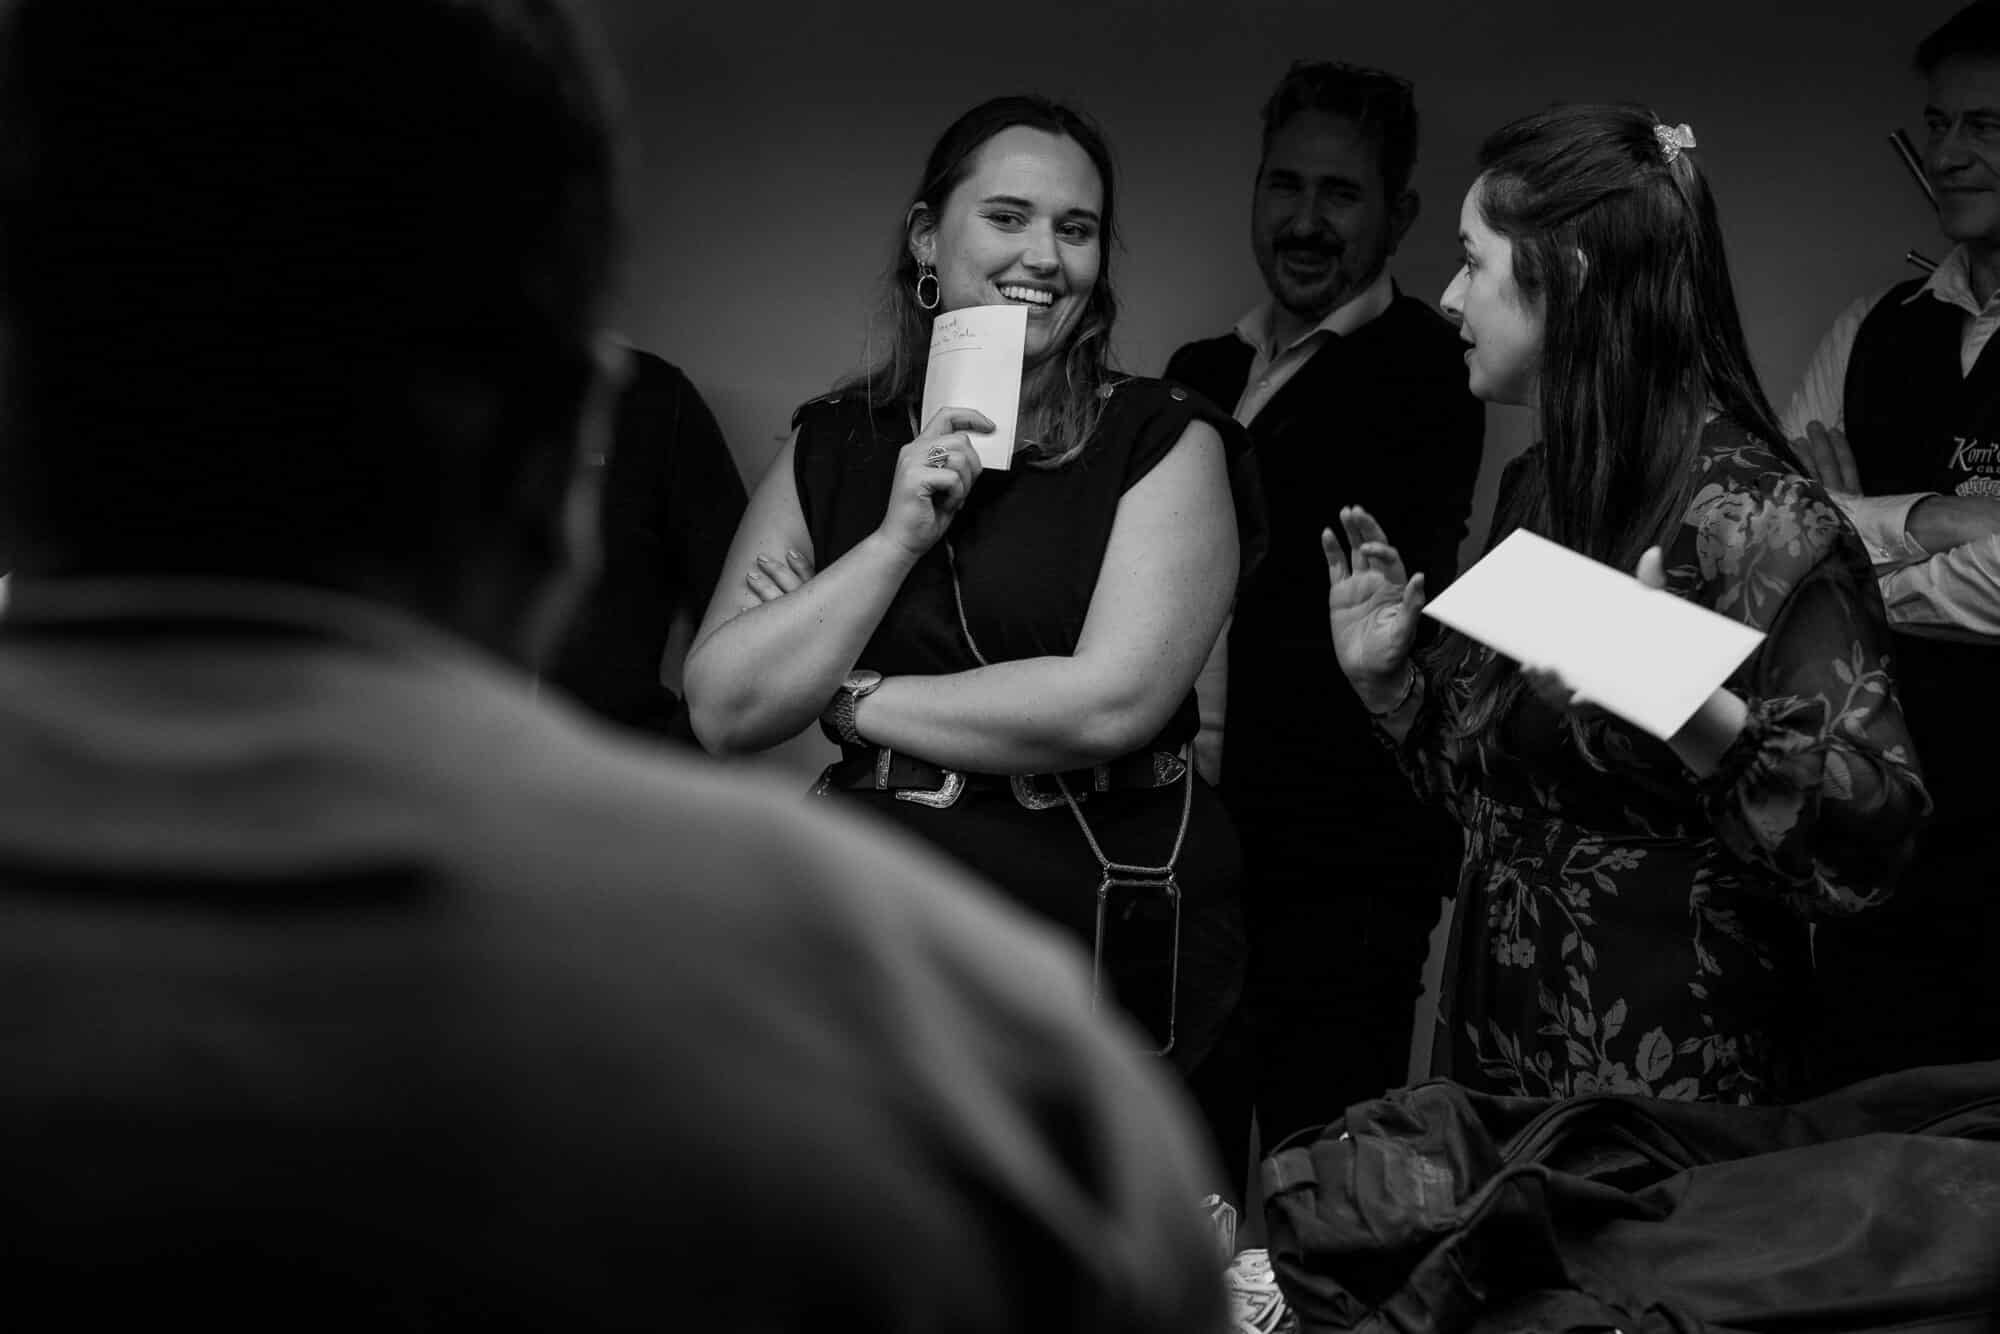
(1008, 657)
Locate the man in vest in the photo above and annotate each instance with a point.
(1899, 415)
(1354, 394)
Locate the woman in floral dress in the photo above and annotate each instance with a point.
(1632, 914)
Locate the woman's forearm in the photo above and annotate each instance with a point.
(1030, 715)
(1163, 588)
(763, 676)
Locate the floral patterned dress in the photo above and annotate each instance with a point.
(1623, 926)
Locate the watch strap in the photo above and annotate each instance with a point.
(836, 720)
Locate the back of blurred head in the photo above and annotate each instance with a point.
(304, 289)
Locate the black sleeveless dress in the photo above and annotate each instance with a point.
(1028, 546)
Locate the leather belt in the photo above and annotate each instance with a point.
(879, 769)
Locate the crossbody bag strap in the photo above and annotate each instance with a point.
(1164, 872)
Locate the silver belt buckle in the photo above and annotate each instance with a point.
(938, 797)
(1028, 797)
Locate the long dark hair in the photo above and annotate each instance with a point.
(1060, 399)
(1619, 243)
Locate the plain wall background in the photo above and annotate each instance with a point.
(775, 149)
(775, 153)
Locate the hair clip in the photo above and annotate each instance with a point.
(1673, 138)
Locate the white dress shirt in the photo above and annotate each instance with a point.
(1950, 591)
(1273, 366)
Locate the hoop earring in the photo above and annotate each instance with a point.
(926, 274)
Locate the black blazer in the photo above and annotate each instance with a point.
(1380, 418)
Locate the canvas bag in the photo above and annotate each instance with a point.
(1436, 1208)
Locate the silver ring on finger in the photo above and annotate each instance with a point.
(937, 456)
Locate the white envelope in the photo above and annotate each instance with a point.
(975, 362)
(1641, 653)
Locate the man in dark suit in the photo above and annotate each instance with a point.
(348, 984)
(1354, 394)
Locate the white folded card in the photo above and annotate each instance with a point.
(975, 362)
(1641, 653)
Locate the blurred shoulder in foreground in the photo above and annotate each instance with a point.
(351, 986)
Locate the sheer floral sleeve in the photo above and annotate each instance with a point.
(1427, 761)
(1433, 767)
(1421, 754)
(1821, 790)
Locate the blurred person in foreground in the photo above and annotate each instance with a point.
(350, 987)
(1632, 913)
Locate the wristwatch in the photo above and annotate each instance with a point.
(837, 718)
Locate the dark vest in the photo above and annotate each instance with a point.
(1916, 424)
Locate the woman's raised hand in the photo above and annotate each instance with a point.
(1372, 604)
(934, 474)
